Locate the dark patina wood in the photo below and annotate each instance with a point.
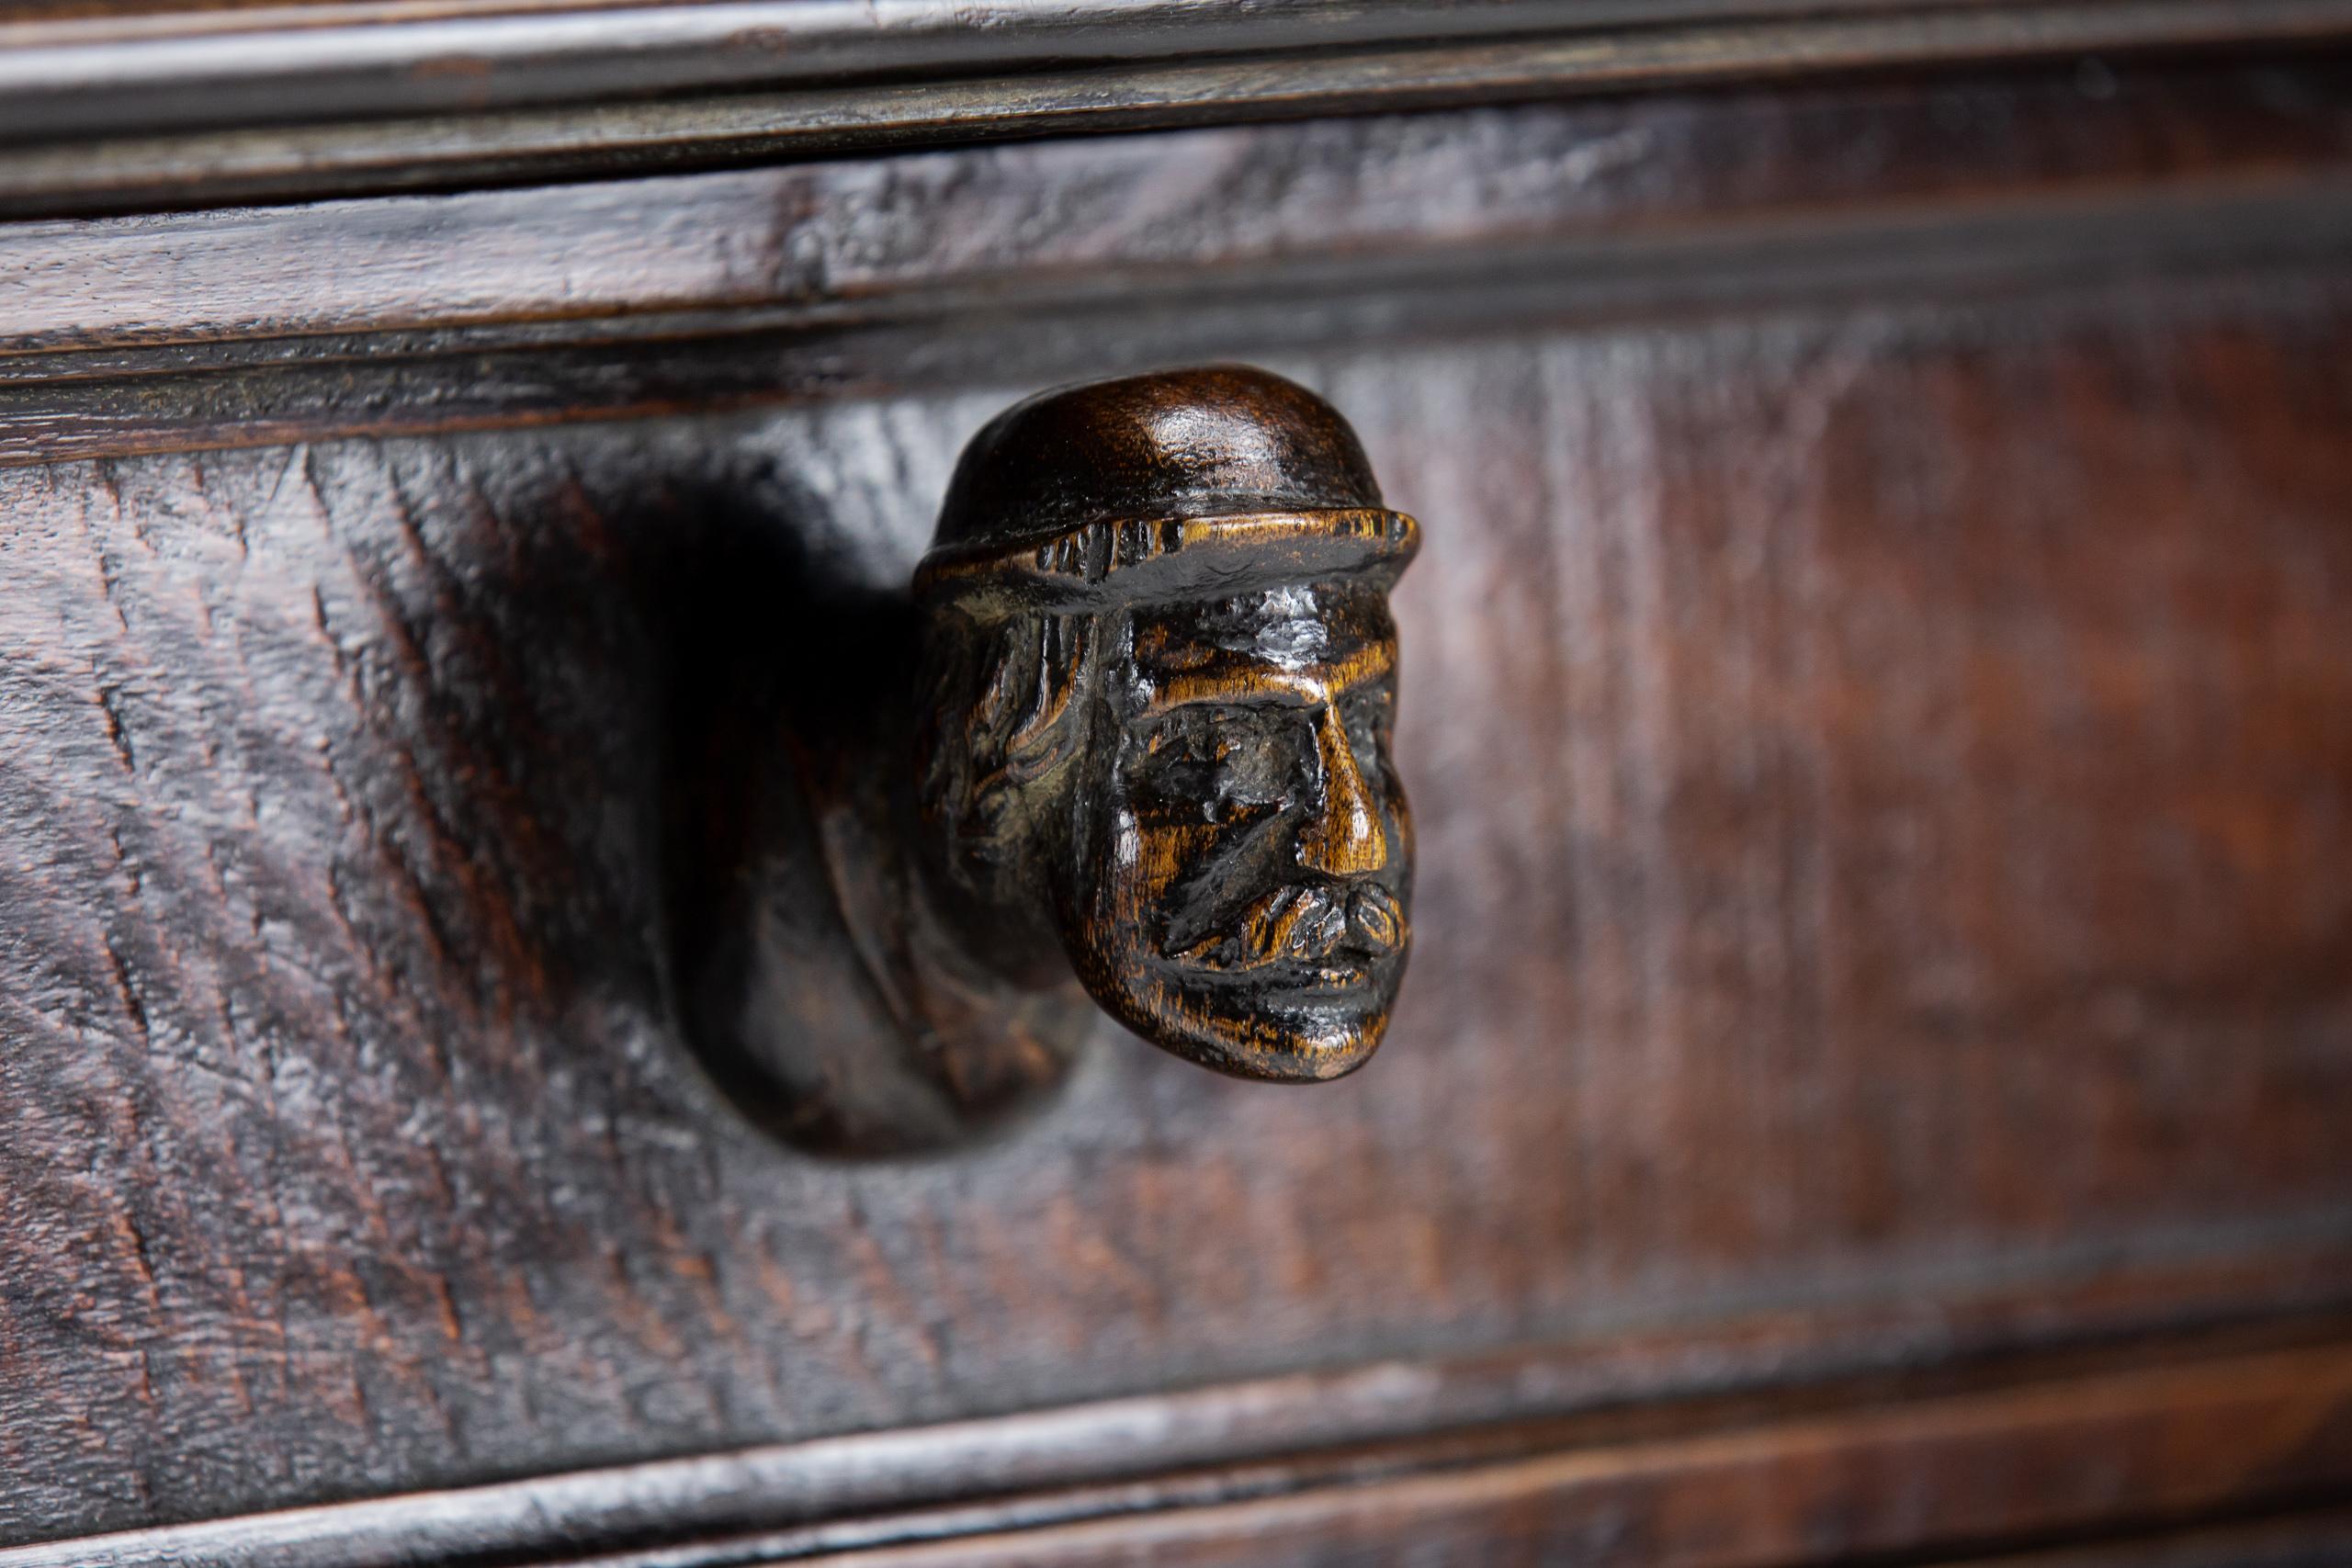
(169, 105)
(1947, 910)
(1133, 720)
(1128, 224)
(1011, 269)
(1831, 1471)
(1161, 685)
(1881, 769)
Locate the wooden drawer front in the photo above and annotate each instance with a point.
(1879, 720)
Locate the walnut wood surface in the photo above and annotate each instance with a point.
(937, 235)
(1879, 783)
(1833, 1470)
(1880, 764)
(2317, 1539)
(80, 68)
(193, 106)
(1033, 265)
(1834, 1488)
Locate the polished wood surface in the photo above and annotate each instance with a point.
(1831, 1489)
(1875, 700)
(1043, 264)
(112, 106)
(1127, 736)
(1716, 184)
(1836, 1470)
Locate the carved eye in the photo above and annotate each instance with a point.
(1219, 764)
(1190, 736)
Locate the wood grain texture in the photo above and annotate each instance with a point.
(2318, 1538)
(982, 268)
(1831, 1489)
(1876, 709)
(1992, 1453)
(932, 235)
(115, 116)
(2259, 248)
(1879, 771)
(71, 70)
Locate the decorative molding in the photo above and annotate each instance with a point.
(753, 287)
(170, 68)
(2250, 255)
(190, 108)
(1859, 1465)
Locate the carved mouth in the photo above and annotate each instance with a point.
(1281, 979)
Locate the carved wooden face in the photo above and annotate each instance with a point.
(1240, 892)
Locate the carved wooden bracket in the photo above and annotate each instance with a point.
(1145, 738)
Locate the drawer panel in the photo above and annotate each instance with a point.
(1883, 760)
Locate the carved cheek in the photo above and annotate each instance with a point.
(1397, 812)
(1133, 870)
(1163, 855)
(1126, 854)
(1114, 848)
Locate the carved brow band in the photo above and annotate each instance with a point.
(1126, 562)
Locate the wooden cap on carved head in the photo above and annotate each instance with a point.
(1160, 486)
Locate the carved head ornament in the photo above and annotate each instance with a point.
(1161, 676)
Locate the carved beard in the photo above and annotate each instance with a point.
(1305, 922)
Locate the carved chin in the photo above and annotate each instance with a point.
(1289, 1020)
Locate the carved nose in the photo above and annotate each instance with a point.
(1344, 837)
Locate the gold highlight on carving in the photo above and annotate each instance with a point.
(1185, 577)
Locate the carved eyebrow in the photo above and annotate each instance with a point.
(1262, 683)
